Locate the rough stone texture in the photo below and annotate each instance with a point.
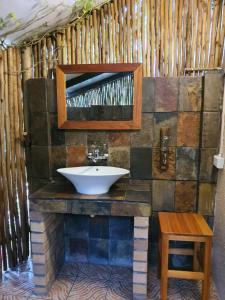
(165, 120)
(185, 196)
(213, 91)
(57, 135)
(118, 139)
(73, 138)
(186, 163)
(119, 157)
(141, 163)
(76, 156)
(144, 137)
(211, 129)
(206, 198)
(40, 157)
(163, 195)
(148, 94)
(166, 94)
(208, 173)
(188, 127)
(58, 159)
(39, 128)
(190, 94)
(170, 172)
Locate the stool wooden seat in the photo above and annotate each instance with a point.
(188, 227)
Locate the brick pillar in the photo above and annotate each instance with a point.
(140, 258)
(47, 245)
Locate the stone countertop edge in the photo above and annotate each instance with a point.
(119, 201)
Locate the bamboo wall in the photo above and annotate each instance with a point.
(167, 36)
(14, 245)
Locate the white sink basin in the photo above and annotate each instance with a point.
(93, 180)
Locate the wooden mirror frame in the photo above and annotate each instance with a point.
(133, 124)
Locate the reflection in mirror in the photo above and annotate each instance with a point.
(99, 96)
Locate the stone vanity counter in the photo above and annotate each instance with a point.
(48, 208)
(126, 198)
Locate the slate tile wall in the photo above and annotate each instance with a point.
(100, 240)
(189, 106)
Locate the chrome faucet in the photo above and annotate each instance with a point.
(96, 155)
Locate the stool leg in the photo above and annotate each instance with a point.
(164, 267)
(207, 267)
(195, 258)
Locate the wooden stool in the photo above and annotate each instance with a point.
(188, 227)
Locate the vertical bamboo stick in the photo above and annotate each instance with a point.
(35, 60)
(91, 40)
(175, 38)
(95, 30)
(68, 43)
(110, 34)
(106, 33)
(166, 42)
(120, 29)
(184, 34)
(59, 48)
(199, 33)
(148, 47)
(179, 30)
(49, 49)
(143, 36)
(157, 35)
(215, 20)
(134, 39)
(203, 37)
(39, 65)
(162, 48)
(152, 5)
(64, 48)
(129, 56)
(103, 35)
(87, 44)
(207, 34)
(138, 3)
(189, 35)
(194, 34)
(44, 64)
(171, 38)
(72, 44)
(83, 32)
(113, 33)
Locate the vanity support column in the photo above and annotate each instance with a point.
(140, 258)
(47, 244)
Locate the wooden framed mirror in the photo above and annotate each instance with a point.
(99, 96)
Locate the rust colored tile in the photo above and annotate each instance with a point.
(213, 91)
(119, 139)
(163, 195)
(206, 198)
(76, 156)
(144, 137)
(185, 196)
(166, 94)
(190, 94)
(119, 157)
(211, 129)
(165, 120)
(188, 127)
(157, 172)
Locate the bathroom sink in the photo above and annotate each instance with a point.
(92, 180)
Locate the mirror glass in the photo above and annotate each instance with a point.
(99, 96)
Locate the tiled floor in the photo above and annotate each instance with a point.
(93, 282)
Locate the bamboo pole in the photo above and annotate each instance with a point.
(148, 46)
(183, 35)
(68, 43)
(215, 23)
(22, 190)
(207, 34)
(35, 60)
(171, 38)
(110, 34)
(189, 35)
(44, 64)
(179, 30)
(64, 48)
(4, 243)
(83, 54)
(138, 3)
(175, 39)
(129, 56)
(166, 43)
(95, 30)
(72, 44)
(194, 34)
(50, 64)
(162, 27)
(153, 45)
(59, 47)
(203, 40)
(91, 40)
(199, 33)
(134, 40)
(103, 36)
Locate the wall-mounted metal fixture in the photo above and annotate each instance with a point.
(164, 147)
(98, 153)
